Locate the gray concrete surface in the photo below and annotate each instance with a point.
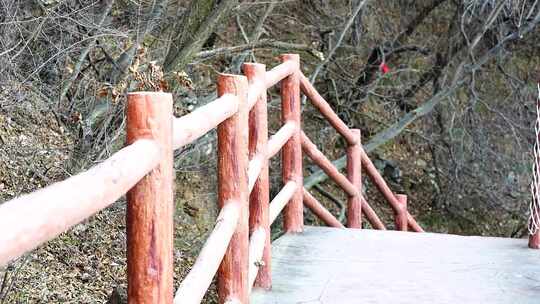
(329, 265)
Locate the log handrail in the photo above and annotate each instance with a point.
(281, 199)
(190, 127)
(318, 209)
(326, 165)
(32, 219)
(199, 278)
(276, 141)
(370, 214)
(238, 248)
(380, 184)
(326, 110)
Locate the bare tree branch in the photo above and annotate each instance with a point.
(337, 44)
(85, 52)
(254, 37)
(194, 35)
(395, 129)
(258, 45)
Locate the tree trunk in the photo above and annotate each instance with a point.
(194, 28)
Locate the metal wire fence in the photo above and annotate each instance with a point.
(534, 220)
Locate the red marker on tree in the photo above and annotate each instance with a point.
(384, 68)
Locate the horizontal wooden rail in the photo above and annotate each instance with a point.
(256, 248)
(254, 169)
(238, 248)
(280, 72)
(326, 165)
(320, 211)
(196, 283)
(190, 127)
(379, 182)
(275, 143)
(281, 199)
(326, 110)
(32, 219)
(278, 140)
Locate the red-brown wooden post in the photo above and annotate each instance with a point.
(291, 164)
(233, 189)
(259, 198)
(150, 203)
(534, 240)
(354, 174)
(401, 216)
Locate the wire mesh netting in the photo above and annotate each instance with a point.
(534, 220)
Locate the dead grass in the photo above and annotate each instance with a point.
(86, 263)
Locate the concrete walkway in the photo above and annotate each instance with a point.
(329, 265)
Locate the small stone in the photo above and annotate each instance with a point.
(421, 163)
(79, 228)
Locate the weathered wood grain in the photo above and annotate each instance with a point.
(354, 174)
(233, 189)
(400, 217)
(150, 209)
(281, 199)
(325, 164)
(291, 154)
(276, 141)
(320, 211)
(279, 72)
(259, 199)
(190, 127)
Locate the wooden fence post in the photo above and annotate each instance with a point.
(150, 203)
(293, 214)
(534, 240)
(401, 220)
(354, 174)
(233, 189)
(259, 198)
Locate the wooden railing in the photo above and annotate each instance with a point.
(238, 249)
